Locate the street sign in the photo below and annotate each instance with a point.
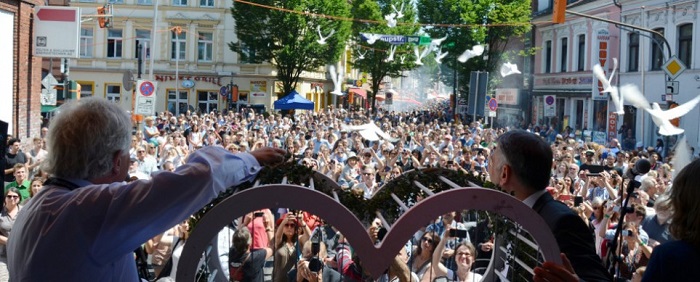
(672, 87)
(57, 32)
(223, 91)
(146, 88)
(550, 107)
(493, 104)
(145, 100)
(48, 92)
(673, 67)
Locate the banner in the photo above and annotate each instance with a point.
(550, 105)
(258, 88)
(602, 37)
(507, 96)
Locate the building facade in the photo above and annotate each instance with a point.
(20, 71)
(565, 93)
(643, 59)
(191, 58)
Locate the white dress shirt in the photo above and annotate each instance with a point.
(90, 233)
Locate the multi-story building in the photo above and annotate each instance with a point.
(190, 67)
(565, 93)
(643, 62)
(20, 71)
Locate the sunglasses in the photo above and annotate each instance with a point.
(11, 196)
(425, 239)
(366, 174)
(292, 225)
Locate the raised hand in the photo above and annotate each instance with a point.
(267, 156)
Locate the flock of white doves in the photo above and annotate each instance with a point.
(477, 50)
(628, 91)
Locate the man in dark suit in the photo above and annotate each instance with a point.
(521, 165)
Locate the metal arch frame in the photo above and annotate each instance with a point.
(376, 258)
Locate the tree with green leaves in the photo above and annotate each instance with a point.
(372, 58)
(505, 19)
(288, 36)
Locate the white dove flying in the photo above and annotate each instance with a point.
(362, 55)
(437, 42)
(371, 37)
(660, 117)
(682, 156)
(439, 55)
(617, 98)
(421, 54)
(337, 79)
(392, 51)
(476, 50)
(390, 20)
(508, 69)
(399, 13)
(370, 131)
(322, 39)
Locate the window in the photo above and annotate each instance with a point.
(145, 2)
(113, 93)
(86, 42)
(179, 43)
(581, 57)
(179, 2)
(86, 88)
(114, 43)
(204, 46)
(247, 54)
(685, 44)
(633, 53)
(143, 36)
(207, 101)
(548, 56)
(116, 1)
(564, 52)
(206, 3)
(657, 53)
(177, 104)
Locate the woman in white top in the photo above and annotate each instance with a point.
(464, 255)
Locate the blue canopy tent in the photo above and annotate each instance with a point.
(293, 101)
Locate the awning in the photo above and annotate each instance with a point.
(358, 91)
(380, 97)
(48, 108)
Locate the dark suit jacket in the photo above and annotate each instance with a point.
(575, 239)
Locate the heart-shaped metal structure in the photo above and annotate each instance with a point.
(375, 259)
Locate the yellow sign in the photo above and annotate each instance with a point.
(674, 67)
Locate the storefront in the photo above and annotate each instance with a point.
(571, 101)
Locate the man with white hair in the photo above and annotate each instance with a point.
(87, 212)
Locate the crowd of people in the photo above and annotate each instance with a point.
(586, 178)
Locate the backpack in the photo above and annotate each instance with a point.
(235, 269)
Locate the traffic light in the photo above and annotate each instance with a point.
(104, 18)
(559, 11)
(72, 90)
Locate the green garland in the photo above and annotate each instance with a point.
(403, 187)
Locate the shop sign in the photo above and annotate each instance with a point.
(211, 79)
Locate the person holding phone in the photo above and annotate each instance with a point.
(464, 256)
(260, 225)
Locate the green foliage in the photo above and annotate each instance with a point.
(288, 40)
(373, 63)
(473, 13)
